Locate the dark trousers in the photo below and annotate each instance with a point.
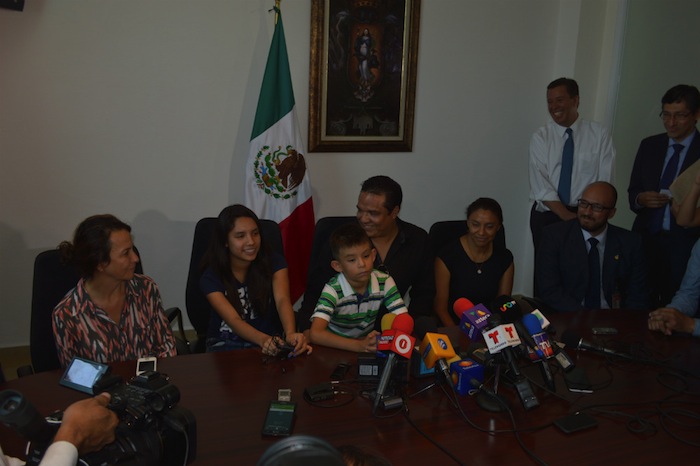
(538, 221)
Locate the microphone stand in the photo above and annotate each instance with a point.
(493, 401)
(439, 381)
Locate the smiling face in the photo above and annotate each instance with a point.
(482, 226)
(562, 107)
(356, 263)
(373, 215)
(243, 241)
(122, 257)
(597, 194)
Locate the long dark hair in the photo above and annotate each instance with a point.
(259, 276)
(91, 245)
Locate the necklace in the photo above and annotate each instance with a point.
(473, 254)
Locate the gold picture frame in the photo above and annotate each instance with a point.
(363, 75)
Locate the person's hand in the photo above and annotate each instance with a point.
(271, 346)
(368, 344)
(300, 343)
(88, 424)
(667, 320)
(652, 199)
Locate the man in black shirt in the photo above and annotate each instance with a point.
(403, 251)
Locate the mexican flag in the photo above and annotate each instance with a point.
(277, 180)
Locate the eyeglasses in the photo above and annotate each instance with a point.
(666, 116)
(595, 207)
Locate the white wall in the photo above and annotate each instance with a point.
(144, 108)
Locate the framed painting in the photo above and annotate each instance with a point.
(363, 75)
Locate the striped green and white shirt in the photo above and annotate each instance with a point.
(352, 315)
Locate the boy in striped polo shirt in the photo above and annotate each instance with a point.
(347, 309)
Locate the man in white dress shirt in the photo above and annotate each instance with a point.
(592, 158)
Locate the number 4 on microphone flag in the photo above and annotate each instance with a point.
(277, 185)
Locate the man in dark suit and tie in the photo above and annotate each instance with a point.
(586, 263)
(660, 159)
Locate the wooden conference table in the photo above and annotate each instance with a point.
(229, 394)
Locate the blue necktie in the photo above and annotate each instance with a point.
(593, 295)
(667, 178)
(567, 165)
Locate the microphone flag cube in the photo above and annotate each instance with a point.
(500, 337)
(544, 323)
(542, 340)
(385, 339)
(403, 344)
(474, 320)
(462, 372)
(436, 346)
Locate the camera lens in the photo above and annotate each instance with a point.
(17, 412)
(166, 396)
(9, 402)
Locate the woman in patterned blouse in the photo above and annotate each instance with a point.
(113, 314)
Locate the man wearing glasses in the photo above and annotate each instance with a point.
(659, 161)
(586, 263)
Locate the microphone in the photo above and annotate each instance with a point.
(401, 343)
(511, 312)
(473, 318)
(535, 341)
(390, 324)
(540, 338)
(436, 349)
(499, 338)
(535, 323)
(387, 320)
(508, 308)
(571, 338)
(461, 305)
(528, 325)
(403, 322)
(543, 348)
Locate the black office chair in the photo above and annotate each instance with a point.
(319, 265)
(443, 232)
(52, 280)
(198, 308)
(322, 233)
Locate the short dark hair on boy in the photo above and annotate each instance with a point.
(347, 236)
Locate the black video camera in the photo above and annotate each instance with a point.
(152, 429)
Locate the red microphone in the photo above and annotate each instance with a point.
(401, 342)
(402, 323)
(472, 318)
(461, 305)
